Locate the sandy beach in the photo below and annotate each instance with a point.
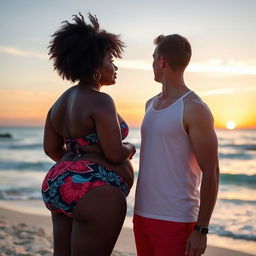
(27, 234)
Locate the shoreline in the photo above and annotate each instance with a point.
(30, 214)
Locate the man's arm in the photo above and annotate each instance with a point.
(200, 127)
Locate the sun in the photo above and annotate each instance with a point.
(231, 125)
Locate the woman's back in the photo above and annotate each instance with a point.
(72, 115)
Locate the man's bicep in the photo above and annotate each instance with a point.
(204, 140)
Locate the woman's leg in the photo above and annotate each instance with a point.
(62, 228)
(97, 221)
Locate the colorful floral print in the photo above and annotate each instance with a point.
(68, 181)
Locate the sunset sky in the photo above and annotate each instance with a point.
(222, 69)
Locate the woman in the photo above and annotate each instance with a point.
(85, 192)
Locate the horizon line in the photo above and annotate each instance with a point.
(131, 126)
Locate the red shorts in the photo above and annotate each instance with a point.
(159, 237)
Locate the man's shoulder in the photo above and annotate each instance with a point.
(196, 108)
(194, 102)
(150, 101)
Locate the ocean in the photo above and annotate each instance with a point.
(23, 166)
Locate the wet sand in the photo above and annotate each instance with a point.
(26, 234)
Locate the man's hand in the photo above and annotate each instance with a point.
(196, 244)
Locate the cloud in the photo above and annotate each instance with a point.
(25, 93)
(216, 66)
(134, 64)
(222, 91)
(23, 53)
(216, 92)
(231, 67)
(235, 67)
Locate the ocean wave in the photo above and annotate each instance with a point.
(237, 201)
(236, 156)
(238, 179)
(245, 233)
(30, 146)
(22, 146)
(21, 166)
(20, 194)
(249, 147)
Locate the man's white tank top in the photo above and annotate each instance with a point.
(169, 175)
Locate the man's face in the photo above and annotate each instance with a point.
(156, 66)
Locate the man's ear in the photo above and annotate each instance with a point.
(162, 62)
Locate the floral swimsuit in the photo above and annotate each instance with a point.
(68, 181)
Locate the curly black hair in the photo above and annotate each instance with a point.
(78, 49)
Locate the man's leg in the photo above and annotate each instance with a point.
(159, 237)
(142, 240)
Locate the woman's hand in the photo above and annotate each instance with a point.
(131, 148)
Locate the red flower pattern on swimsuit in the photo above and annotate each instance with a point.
(82, 142)
(61, 167)
(72, 192)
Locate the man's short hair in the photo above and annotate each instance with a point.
(176, 49)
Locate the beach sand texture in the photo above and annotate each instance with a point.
(30, 235)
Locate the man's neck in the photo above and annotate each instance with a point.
(173, 88)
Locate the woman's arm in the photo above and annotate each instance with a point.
(97, 149)
(53, 142)
(108, 132)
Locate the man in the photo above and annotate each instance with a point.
(178, 175)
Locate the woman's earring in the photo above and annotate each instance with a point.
(97, 76)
